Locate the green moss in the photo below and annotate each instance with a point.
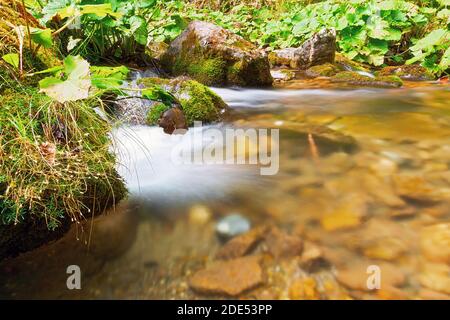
(202, 104)
(323, 70)
(408, 72)
(347, 64)
(155, 113)
(55, 161)
(208, 71)
(151, 81)
(354, 78)
(199, 103)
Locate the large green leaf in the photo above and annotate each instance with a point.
(158, 94)
(73, 82)
(108, 78)
(138, 27)
(42, 37)
(12, 59)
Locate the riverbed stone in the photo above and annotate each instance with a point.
(354, 78)
(232, 225)
(415, 187)
(231, 277)
(304, 289)
(282, 245)
(198, 102)
(345, 215)
(435, 276)
(319, 49)
(241, 244)
(323, 70)
(354, 276)
(213, 55)
(435, 243)
(411, 72)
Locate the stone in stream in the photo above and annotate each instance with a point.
(319, 49)
(232, 225)
(435, 243)
(241, 244)
(411, 72)
(283, 245)
(173, 121)
(355, 275)
(198, 102)
(435, 276)
(231, 277)
(356, 78)
(215, 56)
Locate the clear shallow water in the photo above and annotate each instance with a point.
(369, 186)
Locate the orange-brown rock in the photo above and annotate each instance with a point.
(231, 277)
(282, 245)
(242, 244)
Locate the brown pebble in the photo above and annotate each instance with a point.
(242, 244)
(355, 276)
(231, 277)
(283, 245)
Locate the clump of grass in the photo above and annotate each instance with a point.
(54, 158)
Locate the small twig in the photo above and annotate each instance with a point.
(313, 147)
(28, 26)
(64, 26)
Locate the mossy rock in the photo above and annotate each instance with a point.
(215, 56)
(199, 103)
(155, 113)
(323, 70)
(411, 72)
(347, 64)
(355, 79)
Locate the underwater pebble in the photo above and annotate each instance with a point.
(199, 214)
(231, 277)
(232, 225)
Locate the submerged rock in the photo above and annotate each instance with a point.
(356, 79)
(435, 243)
(355, 276)
(347, 64)
(411, 72)
(230, 278)
(282, 245)
(323, 70)
(282, 74)
(173, 120)
(215, 56)
(232, 225)
(242, 244)
(319, 49)
(198, 102)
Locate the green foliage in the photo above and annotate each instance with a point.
(12, 59)
(368, 31)
(107, 28)
(72, 83)
(42, 37)
(43, 173)
(155, 113)
(108, 78)
(429, 49)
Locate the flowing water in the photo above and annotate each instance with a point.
(363, 179)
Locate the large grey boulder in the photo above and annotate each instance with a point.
(319, 49)
(215, 56)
